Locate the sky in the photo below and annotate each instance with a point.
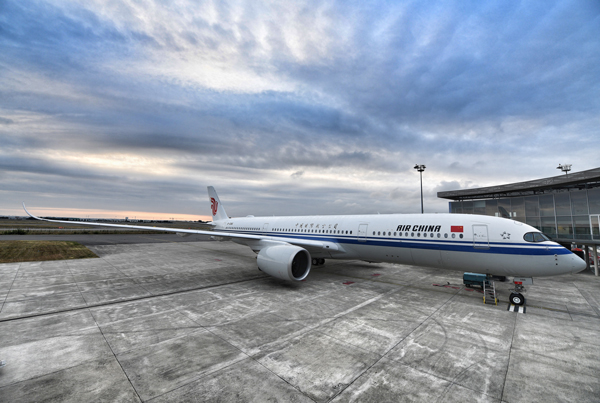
(131, 108)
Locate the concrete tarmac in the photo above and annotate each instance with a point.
(196, 321)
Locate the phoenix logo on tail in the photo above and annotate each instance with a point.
(213, 205)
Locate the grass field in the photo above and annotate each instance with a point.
(35, 227)
(32, 251)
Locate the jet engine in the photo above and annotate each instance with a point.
(287, 262)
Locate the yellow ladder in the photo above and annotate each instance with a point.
(489, 293)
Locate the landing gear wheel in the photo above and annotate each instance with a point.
(315, 262)
(321, 262)
(516, 298)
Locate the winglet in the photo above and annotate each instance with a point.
(28, 213)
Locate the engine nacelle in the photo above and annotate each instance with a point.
(287, 262)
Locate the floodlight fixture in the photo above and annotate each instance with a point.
(565, 168)
(421, 168)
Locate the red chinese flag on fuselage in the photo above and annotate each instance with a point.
(456, 228)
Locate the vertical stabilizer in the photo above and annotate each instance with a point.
(217, 209)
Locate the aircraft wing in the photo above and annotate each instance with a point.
(306, 243)
(161, 229)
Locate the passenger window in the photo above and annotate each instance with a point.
(453, 235)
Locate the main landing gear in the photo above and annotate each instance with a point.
(318, 262)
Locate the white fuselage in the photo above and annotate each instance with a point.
(465, 242)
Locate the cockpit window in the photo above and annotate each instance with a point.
(535, 237)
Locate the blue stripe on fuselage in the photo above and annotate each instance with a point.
(512, 248)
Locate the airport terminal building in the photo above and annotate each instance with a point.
(566, 207)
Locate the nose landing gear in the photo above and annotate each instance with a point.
(516, 296)
(318, 262)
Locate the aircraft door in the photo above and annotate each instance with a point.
(362, 232)
(480, 237)
(266, 227)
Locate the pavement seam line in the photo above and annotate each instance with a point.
(11, 286)
(207, 329)
(114, 355)
(512, 340)
(595, 309)
(391, 348)
(453, 381)
(51, 373)
(80, 308)
(293, 335)
(77, 285)
(208, 373)
(330, 319)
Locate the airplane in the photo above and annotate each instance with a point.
(287, 247)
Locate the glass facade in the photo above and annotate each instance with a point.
(567, 215)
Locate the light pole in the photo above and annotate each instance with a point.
(421, 168)
(565, 168)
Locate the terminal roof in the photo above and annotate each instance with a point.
(578, 180)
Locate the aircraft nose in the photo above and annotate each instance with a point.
(578, 263)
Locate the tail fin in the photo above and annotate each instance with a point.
(218, 212)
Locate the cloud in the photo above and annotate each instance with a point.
(249, 96)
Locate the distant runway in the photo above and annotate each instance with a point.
(108, 239)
